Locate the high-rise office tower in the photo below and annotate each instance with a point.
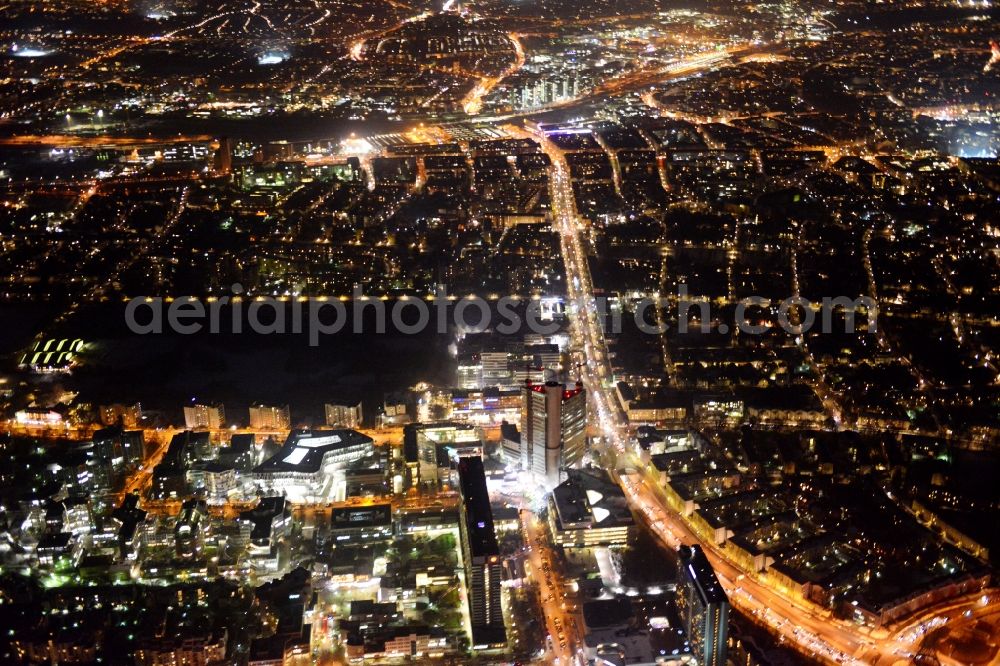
(553, 429)
(481, 556)
(703, 606)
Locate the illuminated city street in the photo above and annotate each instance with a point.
(816, 633)
(564, 642)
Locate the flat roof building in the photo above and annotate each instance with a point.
(361, 523)
(309, 460)
(268, 521)
(589, 509)
(434, 444)
(481, 556)
(703, 606)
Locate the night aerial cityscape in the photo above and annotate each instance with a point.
(509, 332)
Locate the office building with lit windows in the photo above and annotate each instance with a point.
(589, 509)
(553, 429)
(703, 606)
(431, 446)
(481, 555)
(359, 524)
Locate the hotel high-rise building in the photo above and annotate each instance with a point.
(703, 606)
(553, 429)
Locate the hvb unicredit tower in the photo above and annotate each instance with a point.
(553, 429)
